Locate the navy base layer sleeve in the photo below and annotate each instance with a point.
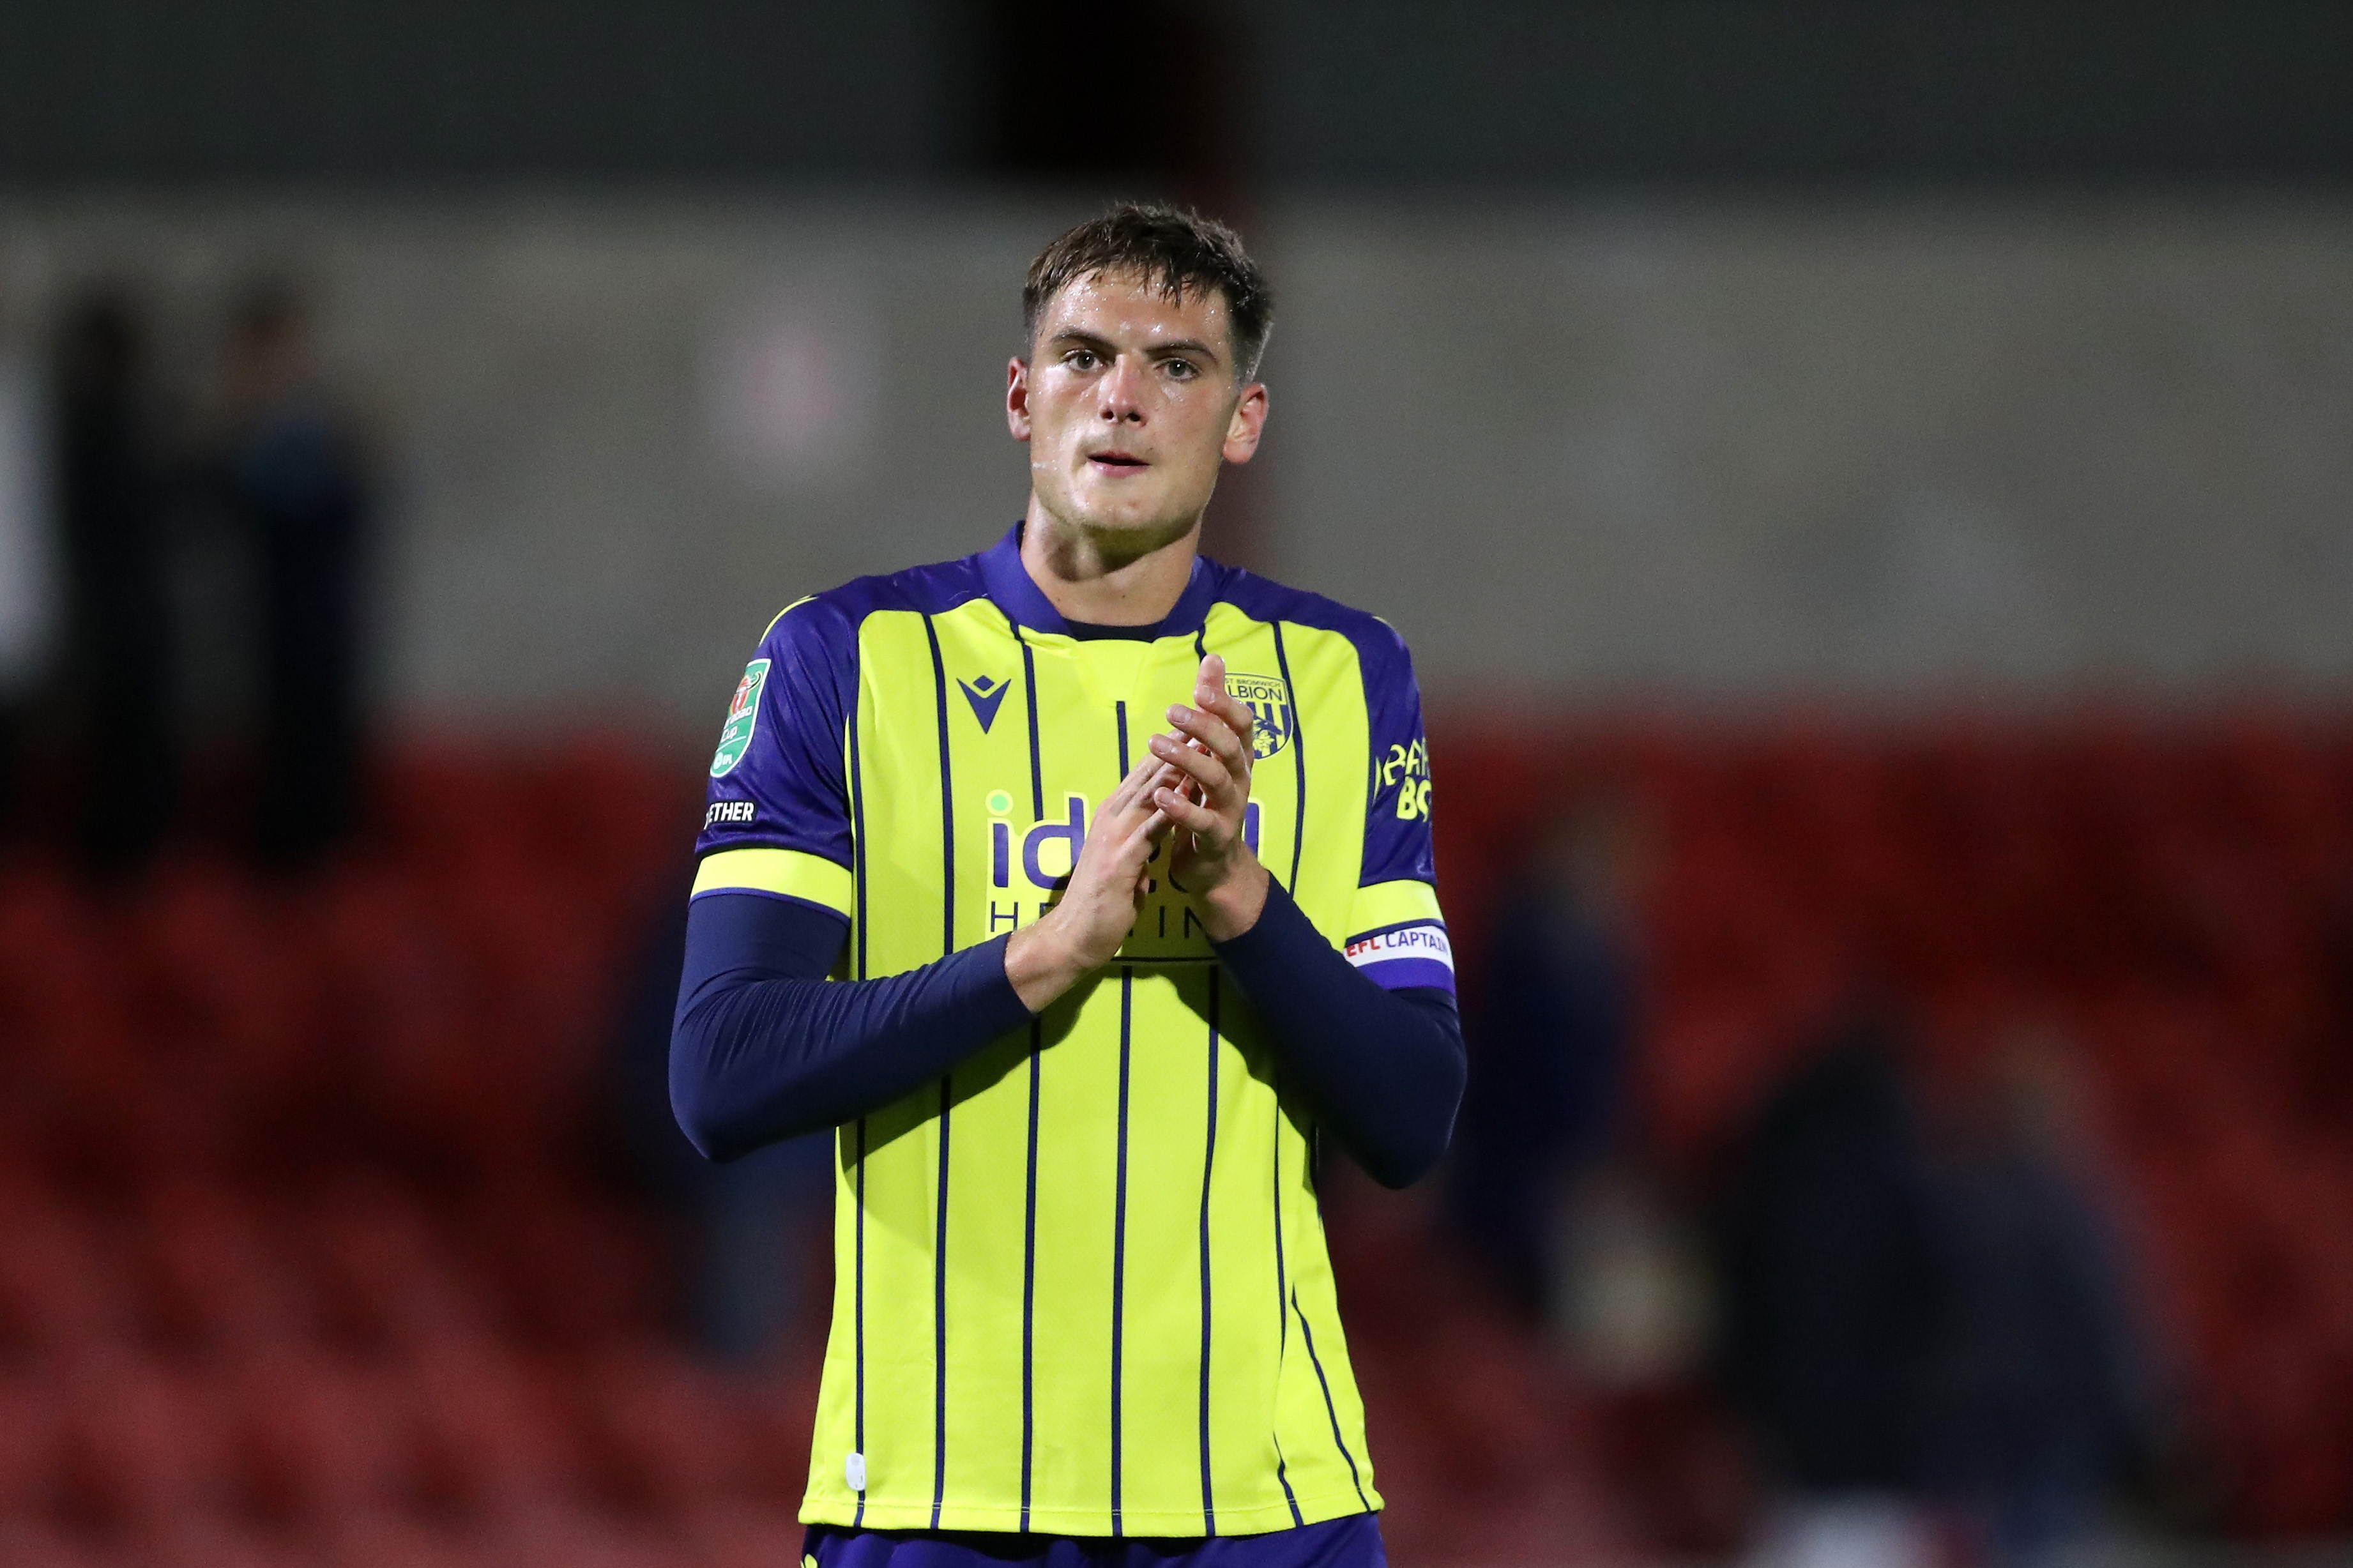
(763, 1046)
(1384, 1069)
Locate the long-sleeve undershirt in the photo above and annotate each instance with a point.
(1383, 1069)
(763, 1046)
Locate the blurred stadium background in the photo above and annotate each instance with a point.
(1870, 487)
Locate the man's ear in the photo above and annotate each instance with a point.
(1017, 397)
(1249, 422)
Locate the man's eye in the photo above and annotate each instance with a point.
(1183, 369)
(1081, 359)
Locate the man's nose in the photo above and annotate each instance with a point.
(1123, 391)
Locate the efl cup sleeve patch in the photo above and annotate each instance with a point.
(743, 720)
(778, 778)
(1396, 957)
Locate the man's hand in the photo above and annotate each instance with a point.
(1102, 898)
(1210, 862)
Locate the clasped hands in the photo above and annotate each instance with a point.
(1191, 793)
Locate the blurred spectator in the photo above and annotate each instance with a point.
(294, 474)
(110, 513)
(2322, 1075)
(2044, 1389)
(1830, 1282)
(1633, 1296)
(744, 1232)
(1549, 1047)
(27, 596)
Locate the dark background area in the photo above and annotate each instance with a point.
(115, 94)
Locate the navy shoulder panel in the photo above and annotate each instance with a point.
(1380, 648)
(1397, 841)
(778, 780)
(819, 634)
(928, 590)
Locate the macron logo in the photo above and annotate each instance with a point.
(987, 696)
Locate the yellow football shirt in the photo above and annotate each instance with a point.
(1081, 1285)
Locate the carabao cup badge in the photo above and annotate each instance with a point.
(743, 720)
(1270, 704)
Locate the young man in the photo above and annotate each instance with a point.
(1095, 990)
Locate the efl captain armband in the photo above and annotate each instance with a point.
(1398, 956)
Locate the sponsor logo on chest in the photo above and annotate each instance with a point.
(1029, 864)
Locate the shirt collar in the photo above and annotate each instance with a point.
(1012, 590)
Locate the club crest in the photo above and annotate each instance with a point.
(1269, 698)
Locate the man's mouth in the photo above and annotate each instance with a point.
(1118, 462)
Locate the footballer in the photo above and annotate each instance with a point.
(1081, 888)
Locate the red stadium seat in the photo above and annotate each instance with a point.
(32, 1542)
(326, 1437)
(218, 1279)
(65, 1291)
(497, 1433)
(374, 1540)
(145, 1445)
(205, 1541)
(28, 1450)
(661, 1435)
(570, 1536)
(740, 1534)
(387, 1278)
(567, 1272)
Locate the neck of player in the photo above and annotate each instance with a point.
(1109, 576)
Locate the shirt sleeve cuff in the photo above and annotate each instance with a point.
(982, 984)
(1281, 936)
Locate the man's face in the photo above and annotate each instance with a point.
(1130, 400)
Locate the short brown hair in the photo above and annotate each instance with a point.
(1173, 248)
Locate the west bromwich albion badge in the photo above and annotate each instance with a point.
(1269, 698)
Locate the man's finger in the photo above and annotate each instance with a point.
(1215, 733)
(1136, 783)
(1209, 687)
(1206, 768)
(1134, 790)
(1234, 713)
(1184, 814)
(1165, 778)
(1137, 848)
(1121, 794)
(1212, 676)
